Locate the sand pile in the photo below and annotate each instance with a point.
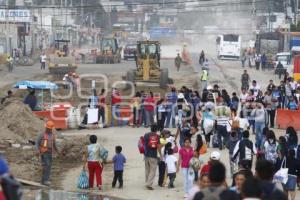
(18, 123)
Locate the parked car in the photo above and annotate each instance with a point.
(129, 51)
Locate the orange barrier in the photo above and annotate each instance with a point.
(286, 118)
(58, 116)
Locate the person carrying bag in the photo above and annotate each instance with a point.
(281, 175)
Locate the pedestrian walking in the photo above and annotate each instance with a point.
(46, 147)
(261, 121)
(149, 105)
(10, 63)
(152, 146)
(280, 70)
(43, 60)
(222, 115)
(93, 162)
(263, 61)
(178, 62)
(202, 58)
(257, 61)
(118, 160)
(244, 151)
(171, 164)
(185, 155)
(245, 80)
(102, 107)
(171, 108)
(243, 59)
(204, 78)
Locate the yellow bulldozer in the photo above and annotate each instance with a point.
(61, 62)
(148, 68)
(110, 52)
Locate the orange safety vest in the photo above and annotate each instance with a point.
(45, 143)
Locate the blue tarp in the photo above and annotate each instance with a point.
(162, 32)
(42, 85)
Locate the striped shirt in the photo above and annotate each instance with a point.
(222, 120)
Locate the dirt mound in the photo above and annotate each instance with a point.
(18, 123)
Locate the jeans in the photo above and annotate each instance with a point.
(180, 116)
(118, 175)
(222, 132)
(136, 116)
(172, 177)
(43, 65)
(101, 115)
(170, 118)
(150, 170)
(46, 159)
(188, 184)
(143, 116)
(161, 172)
(243, 63)
(149, 117)
(271, 114)
(252, 123)
(95, 169)
(161, 119)
(115, 113)
(259, 126)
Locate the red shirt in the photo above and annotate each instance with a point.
(115, 99)
(205, 169)
(186, 156)
(149, 104)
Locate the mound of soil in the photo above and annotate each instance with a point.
(18, 123)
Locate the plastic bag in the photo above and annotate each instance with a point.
(282, 174)
(83, 180)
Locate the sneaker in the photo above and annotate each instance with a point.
(186, 195)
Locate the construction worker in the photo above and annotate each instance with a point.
(9, 62)
(46, 145)
(204, 78)
(178, 61)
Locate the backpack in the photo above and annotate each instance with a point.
(141, 145)
(246, 149)
(271, 153)
(212, 193)
(153, 141)
(11, 188)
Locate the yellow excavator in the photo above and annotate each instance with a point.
(148, 68)
(110, 52)
(61, 62)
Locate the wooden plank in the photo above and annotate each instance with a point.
(31, 183)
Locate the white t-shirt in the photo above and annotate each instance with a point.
(171, 163)
(43, 58)
(255, 89)
(243, 97)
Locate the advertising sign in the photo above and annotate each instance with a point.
(17, 15)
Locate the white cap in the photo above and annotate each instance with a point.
(215, 155)
(209, 87)
(180, 96)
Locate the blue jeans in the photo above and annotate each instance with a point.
(170, 118)
(115, 113)
(46, 159)
(187, 183)
(222, 132)
(180, 116)
(252, 123)
(259, 126)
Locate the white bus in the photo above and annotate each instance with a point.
(229, 46)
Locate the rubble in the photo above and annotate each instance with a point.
(18, 123)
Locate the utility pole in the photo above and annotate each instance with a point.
(269, 9)
(296, 12)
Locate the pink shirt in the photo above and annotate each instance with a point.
(186, 156)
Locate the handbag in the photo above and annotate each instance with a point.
(281, 175)
(83, 180)
(186, 107)
(203, 149)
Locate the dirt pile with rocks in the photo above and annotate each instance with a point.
(18, 123)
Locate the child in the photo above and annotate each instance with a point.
(195, 164)
(118, 160)
(171, 162)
